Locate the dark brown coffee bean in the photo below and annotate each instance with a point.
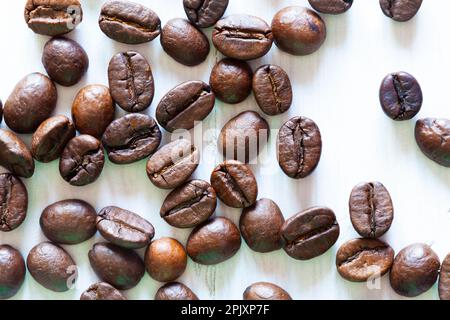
(371, 209)
(433, 138)
(299, 147)
(444, 279)
(235, 184)
(93, 110)
(184, 42)
(53, 17)
(184, 105)
(82, 160)
(14, 155)
(400, 96)
(173, 164)
(415, 270)
(52, 267)
(12, 271)
(310, 233)
(131, 81)
(65, 61)
(69, 221)
(400, 10)
(51, 137)
(1, 111)
(175, 291)
(131, 138)
(244, 136)
(360, 260)
(205, 13)
(31, 102)
(260, 226)
(331, 6)
(121, 268)
(272, 89)
(265, 291)
(165, 259)
(214, 241)
(298, 30)
(13, 202)
(231, 80)
(189, 205)
(102, 291)
(129, 22)
(124, 228)
(242, 36)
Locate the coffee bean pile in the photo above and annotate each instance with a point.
(191, 203)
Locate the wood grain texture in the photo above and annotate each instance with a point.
(337, 87)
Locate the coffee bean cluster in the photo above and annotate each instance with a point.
(192, 203)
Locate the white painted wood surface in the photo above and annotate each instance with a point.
(337, 87)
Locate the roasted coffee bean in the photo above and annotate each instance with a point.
(1, 111)
(131, 81)
(65, 61)
(129, 22)
(205, 13)
(444, 279)
(400, 10)
(189, 205)
(433, 138)
(102, 291)
(131, 138)
(265, 291)
(415, 270)
(298, 30)
(173, 164)
(360, 260)
(242, 36)
(214, 241)
(235, 184)
(260, 226)
(331, 6)
(184, 105)
(299, 147)
(53, 17)
(52, 267)
(13, 202)
(310, 233)
(12, 271)
(175, 291)
(121, 268)
(69, 221)
(400, 96)
(51, 137)
(231, 80)
(14, 155)
(244, 136)
(371, 209)
(82, 160)
(184, 42)
(31, 102)
(165, 259)
(272, 89)
(93, 110)
(124, 228)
